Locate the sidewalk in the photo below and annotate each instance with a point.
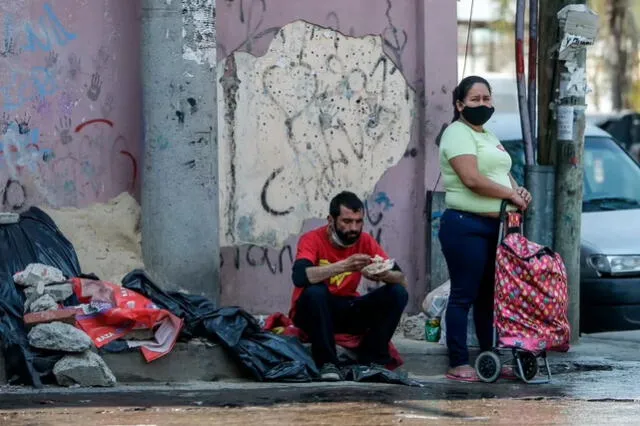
(205, 362)
(596, 351)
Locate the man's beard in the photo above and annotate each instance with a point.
(344, 239)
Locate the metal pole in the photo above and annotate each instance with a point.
(180, 242)
(532, 97)
(539, 180)
(522, 91)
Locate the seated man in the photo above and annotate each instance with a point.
(326, 274)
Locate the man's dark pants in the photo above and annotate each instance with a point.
(376, 315)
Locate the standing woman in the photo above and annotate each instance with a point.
(475, 169)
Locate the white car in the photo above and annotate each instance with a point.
(610, 238)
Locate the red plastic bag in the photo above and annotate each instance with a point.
(113, 312)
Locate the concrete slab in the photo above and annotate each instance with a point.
(187, 362)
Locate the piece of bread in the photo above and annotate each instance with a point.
(378, 265)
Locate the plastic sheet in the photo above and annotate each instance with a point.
(266, 356)
(34, 239)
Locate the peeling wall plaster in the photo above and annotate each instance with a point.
(199, 31)
(318, 113)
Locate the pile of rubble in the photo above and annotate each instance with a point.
(51, 328)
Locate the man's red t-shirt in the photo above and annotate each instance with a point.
(316, 247)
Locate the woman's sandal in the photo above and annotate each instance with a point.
(505, 373)
(471, 376)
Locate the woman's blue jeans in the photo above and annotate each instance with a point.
(469, 243)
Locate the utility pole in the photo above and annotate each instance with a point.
(567, 31)
(180, 243)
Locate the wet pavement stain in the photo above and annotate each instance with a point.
(593, 395)
(496, 412)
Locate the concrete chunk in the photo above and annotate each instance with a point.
(58, 336)
(86, 369)
(38, 274)
(59, 292)
(44, 303)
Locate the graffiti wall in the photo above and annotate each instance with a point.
(317, 113)
(69, 102)
(317, 97)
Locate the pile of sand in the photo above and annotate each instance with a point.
(106, 237)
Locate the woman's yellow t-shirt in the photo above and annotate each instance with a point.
(493, 162)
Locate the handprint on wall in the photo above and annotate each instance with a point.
(64, 131)
(95, 88)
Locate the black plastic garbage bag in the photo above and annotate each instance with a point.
(267, 356)
(271, 357)
(231, 324)
(34, 239)
(43, 363)
(364, 373)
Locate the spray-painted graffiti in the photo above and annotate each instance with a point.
(275, 261)
(320, 112)
(279, 261)
(48, 24)
(59, 144)
(20, 147)
(250, 16)
(20, 86)
(14, 195)
(21, 159)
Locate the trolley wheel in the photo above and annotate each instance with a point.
(530, 366)
(488, 366)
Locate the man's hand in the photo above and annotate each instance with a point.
(375, 277)
(389, 277)
(355, 262)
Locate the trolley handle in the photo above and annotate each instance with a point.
(503, 209)
(506, 227)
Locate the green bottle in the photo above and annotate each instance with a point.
(432, 329)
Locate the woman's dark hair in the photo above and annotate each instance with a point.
(461, 91)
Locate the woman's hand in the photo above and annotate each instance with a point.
(524, 194)
(517, 200)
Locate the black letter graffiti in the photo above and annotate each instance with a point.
(263, 195)
(263, 258)
(377, 235)
(371, 221)
(14, 195)
(280, 264)
(250, 260)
